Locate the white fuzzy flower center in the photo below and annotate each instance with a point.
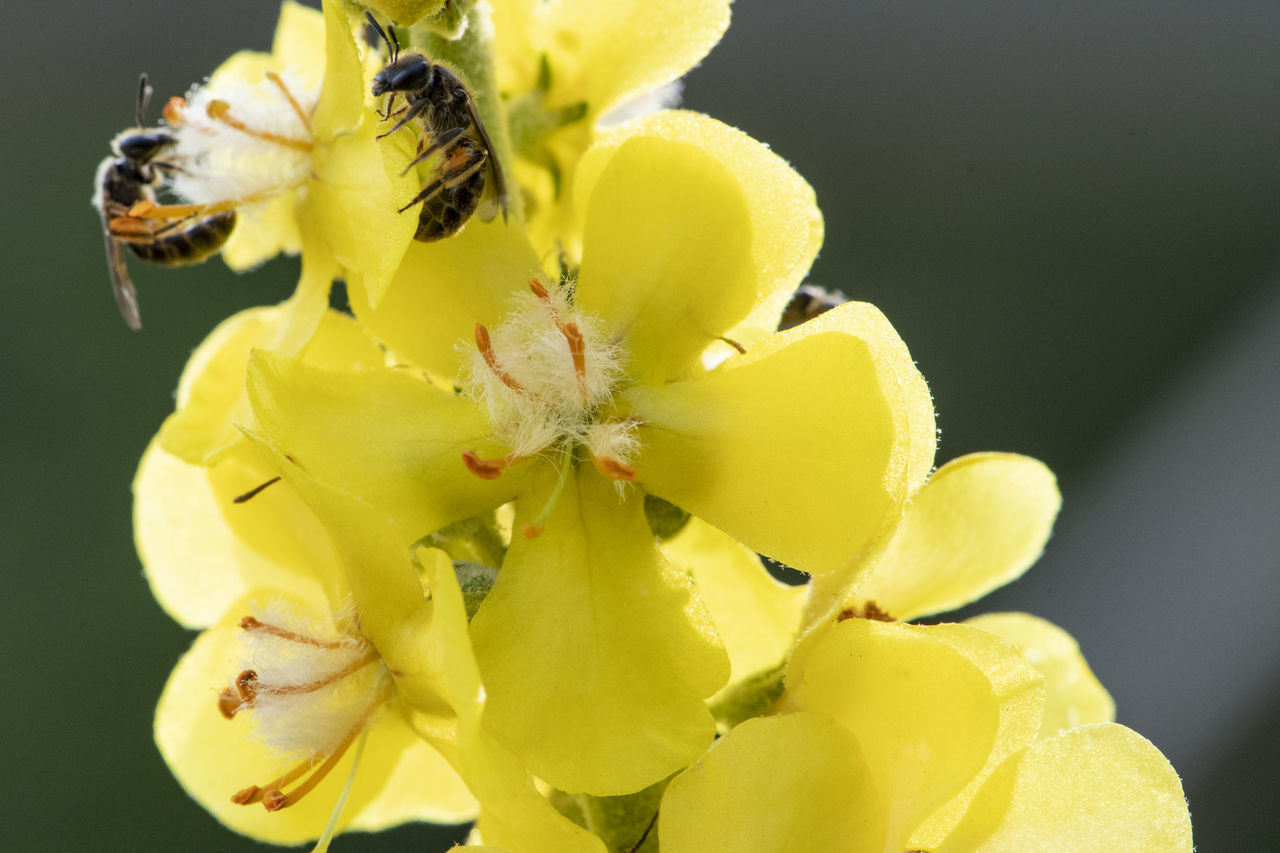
(547, 375)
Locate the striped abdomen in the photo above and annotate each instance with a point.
(189, 245)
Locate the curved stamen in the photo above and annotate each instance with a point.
(491, 359)
(220, 110)
(293, 102)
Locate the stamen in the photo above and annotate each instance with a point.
(489, 469)
(613, 469)
(254, 793)
(577, 349)
(302, 117)
(486, 349)
(151, 210)
(229, 702)
(173, 110)
(249, 623)
(274, 799)
(310, 686)
(253, 493)
(220, 110)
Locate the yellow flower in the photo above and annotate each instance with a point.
(565, 65)
(286, 139)
(300, 652)
(891, 721)
(804, 447)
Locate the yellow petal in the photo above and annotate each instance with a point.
(352, 203)
(607, 56)
(382, 437)
(213, 757)
(1093, 789)
(667, 253)
(201, 552)
(798, 449)
(785, 223)
(926, 716)
(1076, 697)
(442, 289)
(211, 393)
(978, 524)
(513, 812)
(342, 95)
(596, 652)
(299, 42)
(1018, 688)
(756, 617)
(263, 230)
(790, 784)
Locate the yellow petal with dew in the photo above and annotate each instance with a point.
(385, 437)
(213, 757)
(1093, 789)
(795, 783)
(596, 652)
(667, 253)
(978, 523)
(756, 616)
(442, 289)
(636, 45)
(1076, 697)
(201, 552)
(785, 223)
(1018, 688)
(211, 393)
(926, 716)
(799, 449)
(512, 810)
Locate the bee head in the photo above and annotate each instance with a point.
(410, 73)
(140, 146)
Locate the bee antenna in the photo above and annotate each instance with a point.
(144, 98)
(392, 43)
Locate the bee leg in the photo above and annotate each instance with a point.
(410, 114)
(457, 171)
(444, 140)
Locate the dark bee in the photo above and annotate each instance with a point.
(452, 130)
(129, 177)
(808, 302)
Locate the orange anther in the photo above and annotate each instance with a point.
(229, 702)
(142, 208)
(220, 110)
(486, 349)
(539, 290)
(613, 469)
(485, 469)
(173, 110)
(577, 349)
(248, 795)
(532, 531)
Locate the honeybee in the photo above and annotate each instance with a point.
(808, 302)
(452, 130)
(127, 179)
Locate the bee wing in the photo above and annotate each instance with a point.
(121, 284)
(495, 196)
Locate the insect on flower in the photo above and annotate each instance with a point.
(452, 133)
(127, 179)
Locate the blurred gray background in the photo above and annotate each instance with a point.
(1068, 210)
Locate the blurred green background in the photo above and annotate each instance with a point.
(1068, 211)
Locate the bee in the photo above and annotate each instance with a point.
(452, 130)
(128, 178)
(808, 302)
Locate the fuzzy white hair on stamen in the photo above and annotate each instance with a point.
(223, 163)
(312, 722)
(551, 406)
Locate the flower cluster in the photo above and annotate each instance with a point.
(486, 546)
